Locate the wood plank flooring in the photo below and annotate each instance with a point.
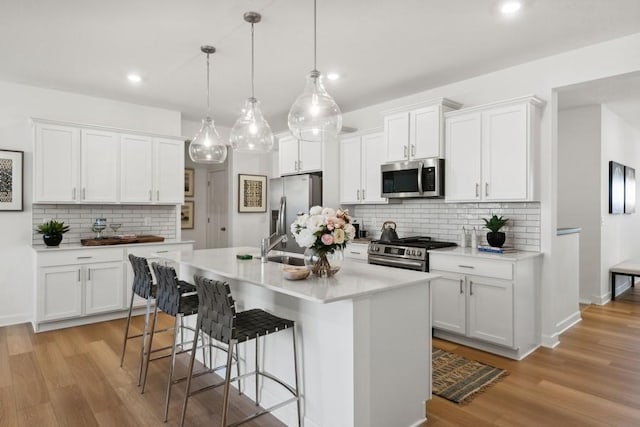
(71, 377)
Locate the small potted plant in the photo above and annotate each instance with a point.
(52, 232)
(495, 237)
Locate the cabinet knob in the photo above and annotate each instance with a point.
(477, 190)
(461, 286)
(223, 229)
(470, 287)
(413, 150)
(406, 155)
(364, 197)
(358, 194)
(486, 188)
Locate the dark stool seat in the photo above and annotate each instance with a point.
(254, 323)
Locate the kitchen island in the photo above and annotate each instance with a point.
(364, 337)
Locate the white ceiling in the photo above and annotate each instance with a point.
(382, 49)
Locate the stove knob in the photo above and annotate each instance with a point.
(419, 253)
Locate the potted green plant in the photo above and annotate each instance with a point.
(52, 232)
(495, 237)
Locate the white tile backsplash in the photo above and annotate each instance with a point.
(444, 221)
(81, 217)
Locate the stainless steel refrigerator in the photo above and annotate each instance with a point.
(290, 196)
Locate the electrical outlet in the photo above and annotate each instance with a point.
(147, 220)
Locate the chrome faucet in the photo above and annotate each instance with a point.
(280, 236)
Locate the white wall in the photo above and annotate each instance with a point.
(17, 104)
(620, 143)
(579, 192)
(541, 77)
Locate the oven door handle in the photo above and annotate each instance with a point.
(396, 261)
(420, 167)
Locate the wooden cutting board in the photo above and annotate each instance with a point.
(117, 241)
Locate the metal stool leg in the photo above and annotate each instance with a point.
(152, 333)
(189, 375)
(171, 368)
(295, 366)
(238, 369)
(227, 382)
(144, 337)
(126, 331)
(257, 370)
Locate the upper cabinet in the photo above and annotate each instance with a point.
(77, 164)
(360, 160)
(295, 157)
(416, 132)
(492, 152)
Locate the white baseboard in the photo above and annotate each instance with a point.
(16, 319)
(418, 423)
(567, 323)
(549, 341)
(601, 299)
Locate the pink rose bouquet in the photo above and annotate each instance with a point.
(323, 229)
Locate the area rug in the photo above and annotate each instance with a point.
(459, 379)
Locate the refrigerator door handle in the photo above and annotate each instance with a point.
(281, 216)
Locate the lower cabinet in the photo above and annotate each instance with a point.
(494, 311)
(85, 285)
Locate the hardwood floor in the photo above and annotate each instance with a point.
(71, 377)
(591, 379)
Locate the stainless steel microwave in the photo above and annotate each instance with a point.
(416, 178)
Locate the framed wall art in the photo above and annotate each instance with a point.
(186, 215)
(252, 193)
(629, 190)
(189, 182)
(616, 188)
(11, 179)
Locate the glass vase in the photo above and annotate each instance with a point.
(323, 263)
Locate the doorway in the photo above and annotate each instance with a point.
(217, 209)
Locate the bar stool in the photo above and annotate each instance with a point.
(144, 287)
(217, 318)
(178, 299)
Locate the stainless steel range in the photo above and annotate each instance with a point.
(408, 252)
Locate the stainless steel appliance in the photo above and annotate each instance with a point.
(417, 178)
(290, 196)
(408, 252)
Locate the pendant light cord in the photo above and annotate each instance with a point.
(315, 36)
(208, 89)
(252, 66)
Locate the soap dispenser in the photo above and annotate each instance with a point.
(463, 238)
(474, 239)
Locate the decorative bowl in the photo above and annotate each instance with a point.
(295, 273)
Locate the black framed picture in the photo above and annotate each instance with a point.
(616, 188)
(252, 193)
(629, 190)
(189, 175)
(11, 179)
(186, 215)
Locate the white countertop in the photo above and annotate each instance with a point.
(355, 278)
(469, 252)
(76, 246)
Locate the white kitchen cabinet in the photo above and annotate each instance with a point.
(360, 160)
(100, 166)
(169, 170)
(78, 283)
(488, 302)
(136, 169)
(57, 163)
(356, 251)
(296, 157)
(416, 132)
(492, 152)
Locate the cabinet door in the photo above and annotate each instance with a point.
(462, 169)
(448, 303)
(168, 171)
(396, 136)
(372, 158)
(288, 155)
(60, 293)
(310, 156)
(505, 159)
(491, 310)
(350, 171)
(104, 287)
(57, 163)
(100, 176)
(425, 139)
(136, 178)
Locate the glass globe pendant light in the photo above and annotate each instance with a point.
(207, 146)
(315, 116)
(251, 132)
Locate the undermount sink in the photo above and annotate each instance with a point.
(286, 259)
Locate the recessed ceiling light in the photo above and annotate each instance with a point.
(510, 7)
(134, 78)
(333, 76)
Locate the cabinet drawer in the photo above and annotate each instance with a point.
(146, 251)
(468, 265)
(356, 251)
(81, 256)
